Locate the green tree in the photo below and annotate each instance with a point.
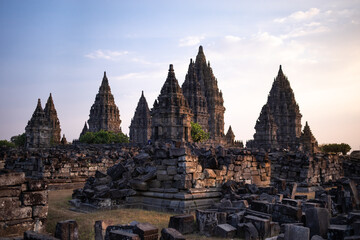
(197, 133)
(103, 137)
(6, 143)
(336, 148)
(19, 140)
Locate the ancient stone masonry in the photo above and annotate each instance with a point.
(171, 115)
(140, 128)
(38, 131)
(104, 114)
(53, 119)
(195, 95)
(308, 140)
(279, 124)
(200, 82)
(23, 204)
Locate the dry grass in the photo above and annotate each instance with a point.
(59, 211)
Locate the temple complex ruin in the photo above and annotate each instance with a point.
(140, 128)
(104, 114)
(171, 115)
(52, 117)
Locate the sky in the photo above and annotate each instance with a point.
(63, 48)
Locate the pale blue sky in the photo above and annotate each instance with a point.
(63, 47)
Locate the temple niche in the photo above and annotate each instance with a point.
(104, 114)
(205, 99)
(279, 123)
(38, 130)
(171, 115)
(140, 128)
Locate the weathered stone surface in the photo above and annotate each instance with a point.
(146, 231)
(294, 232)
(171, 115)
(67, 230)
(104, 114)
(206, 222)
(14, 213)
(40, 211)
(98, 229)
(286, 214)
(35, 198)
(318, 220)
(140, 128)
(262, 225)
(31, 235)
(171, 234)
(12, 178)
(225, 231)
(122, 235)
(338, 232)
(185, 224)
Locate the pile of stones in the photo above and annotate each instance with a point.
(249, 212)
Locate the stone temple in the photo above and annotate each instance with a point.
(205, 99)
(279, 123)
(104, 114)
(171, 115)
(43, 129)
(140, 128)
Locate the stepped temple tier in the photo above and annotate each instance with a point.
(104, 114)
(140, 128)
(43, 129)
(171, 115)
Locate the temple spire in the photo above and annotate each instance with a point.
(105, 81)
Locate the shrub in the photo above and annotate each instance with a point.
(103, 137)
(5, 143)
(19, 140)
(197, 133)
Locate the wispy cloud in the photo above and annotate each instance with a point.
(106, 54)
(299, 15)
(190, 41)
(232, 38)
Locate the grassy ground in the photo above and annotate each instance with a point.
(59, 211)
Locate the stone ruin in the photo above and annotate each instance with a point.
(279, 123)
(43, 129)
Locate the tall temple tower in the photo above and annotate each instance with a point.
(140, 128)
(104, 114)
(209, 89)
(308, 140)
(171, 115)
(53, 119)
(195, 95)
(38, 131)
(279, 123)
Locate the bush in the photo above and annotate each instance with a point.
(197, 133)
(19, 140)
(103, 137)
(336, 148)
(5, 143)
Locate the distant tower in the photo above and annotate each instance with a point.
(171, 115)
(195, 95)
(140, 128)
(308, 140)
(84, 130)
(53, 119)
(38, 131)
(104, 114)
(230, 137)
(214, 98)
(279, 123)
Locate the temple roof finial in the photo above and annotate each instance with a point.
(39, 103)
(201, 49)
(171, 68)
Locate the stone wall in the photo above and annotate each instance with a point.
(67, 166)
(300, 167)
(23, 203)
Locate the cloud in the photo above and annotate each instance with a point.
(190, 41)
(299, 15)
(106, 54)
(231, 38)
(268, 38)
